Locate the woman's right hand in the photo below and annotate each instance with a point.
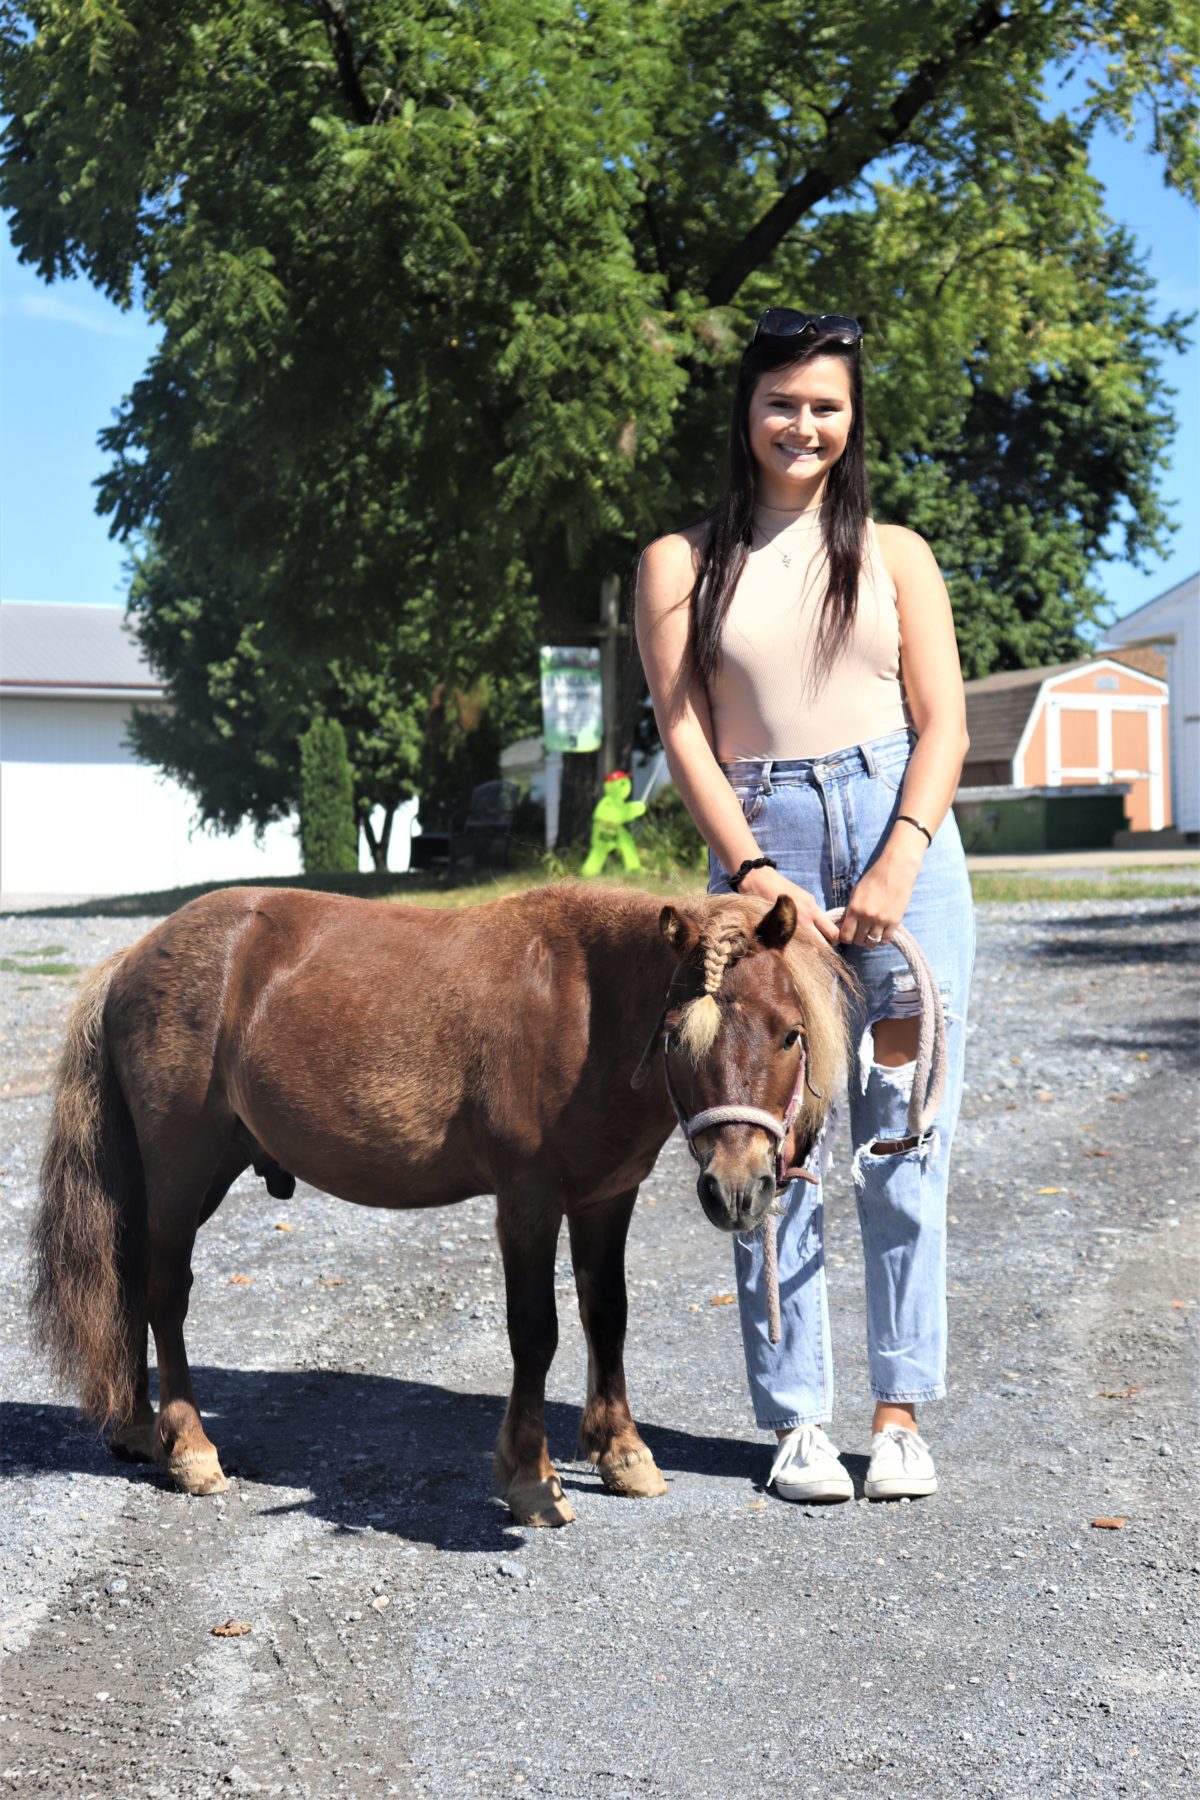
(768, 884)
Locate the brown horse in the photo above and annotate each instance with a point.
(397, 1056)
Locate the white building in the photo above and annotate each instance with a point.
(1172, 624)
(78, 813)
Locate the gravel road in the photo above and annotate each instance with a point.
(407, 1639)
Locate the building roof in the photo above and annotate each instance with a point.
(999, 705)
(1159, 618)
(54, 644)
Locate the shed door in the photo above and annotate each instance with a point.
(1101, 740)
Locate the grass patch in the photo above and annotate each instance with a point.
(1005, 889)
(436, 888)
(428, 888)
(17, 965)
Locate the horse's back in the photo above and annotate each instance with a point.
(351, 1037)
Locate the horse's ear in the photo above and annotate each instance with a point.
(674, 928)
(776, 928)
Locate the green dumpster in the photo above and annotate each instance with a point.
(1008, 820)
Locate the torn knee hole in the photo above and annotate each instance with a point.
(896, 1038)
(900, 1146)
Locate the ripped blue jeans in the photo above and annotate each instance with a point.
(824, 821)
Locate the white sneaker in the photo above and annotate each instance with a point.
(806, 1467)
(900, 1465)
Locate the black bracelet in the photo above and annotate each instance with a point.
(907, 819)
(757, 862)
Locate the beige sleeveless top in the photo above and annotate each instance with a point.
(765, 699)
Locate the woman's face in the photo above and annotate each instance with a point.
(799, 421)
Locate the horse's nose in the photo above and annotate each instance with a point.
(733, 1205)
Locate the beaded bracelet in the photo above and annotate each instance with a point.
(907, 819)
(756, 862)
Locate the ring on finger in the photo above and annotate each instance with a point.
(874, 937)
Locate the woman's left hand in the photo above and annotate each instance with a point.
(879, 901)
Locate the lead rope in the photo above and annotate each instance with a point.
(929, 1083)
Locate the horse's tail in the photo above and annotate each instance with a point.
(90, 1226)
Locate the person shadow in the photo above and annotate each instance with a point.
(407, 1458)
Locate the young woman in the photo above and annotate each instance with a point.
(806, 684)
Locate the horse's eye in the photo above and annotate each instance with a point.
(672, 1039)
(792, 1038)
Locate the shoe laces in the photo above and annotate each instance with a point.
(798, 1446)
(909, 1444)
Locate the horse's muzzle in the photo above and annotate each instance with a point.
(735, 1205)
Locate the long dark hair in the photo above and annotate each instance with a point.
(730, 522)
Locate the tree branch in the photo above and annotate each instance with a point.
(818, 183)
(962, 257)
(656, 237)
(337, 29)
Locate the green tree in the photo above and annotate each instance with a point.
(328, 827)
(417, 718)
(450, 289)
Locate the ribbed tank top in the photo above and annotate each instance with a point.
(765, 698)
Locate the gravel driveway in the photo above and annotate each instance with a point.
(407, 1639)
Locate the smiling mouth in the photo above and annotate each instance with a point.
(798, 449)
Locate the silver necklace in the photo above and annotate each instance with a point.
(785, 556)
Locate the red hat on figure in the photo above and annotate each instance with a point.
(617, 775)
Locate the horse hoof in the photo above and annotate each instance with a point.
(539, 1503)
(632, 1473)
(136, 1443)
(197, 1472)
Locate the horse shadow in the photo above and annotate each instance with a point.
(408, 1459)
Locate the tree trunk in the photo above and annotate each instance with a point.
(378, 846)
(631, 693)
(577, 797)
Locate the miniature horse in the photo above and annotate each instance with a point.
(534, 1047)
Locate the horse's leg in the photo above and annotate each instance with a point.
(607, 1433)
(138, 1439)
(187, 1176)
(528, 1229)
(235, 1160)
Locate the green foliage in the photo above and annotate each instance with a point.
(416, 715)
(328, 828)
(450, 290)
(667, 841)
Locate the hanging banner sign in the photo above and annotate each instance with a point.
(572, 700)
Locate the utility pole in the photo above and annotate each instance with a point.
(610, 608)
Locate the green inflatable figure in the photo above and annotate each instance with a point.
(614, 809)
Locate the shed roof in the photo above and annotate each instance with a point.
(64, 644)
(999, 705)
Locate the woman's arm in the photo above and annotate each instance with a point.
(666, 573)
(934, 690)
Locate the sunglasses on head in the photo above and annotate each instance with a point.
(783, 322)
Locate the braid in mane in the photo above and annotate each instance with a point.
(701, 1018)
(716, 952)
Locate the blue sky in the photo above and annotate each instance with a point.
(68, 356)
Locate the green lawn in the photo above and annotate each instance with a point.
(1111, 885)
(436, 889)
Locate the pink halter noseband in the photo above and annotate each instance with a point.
(736, 1115)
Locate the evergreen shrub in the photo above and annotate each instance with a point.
(328, 825)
